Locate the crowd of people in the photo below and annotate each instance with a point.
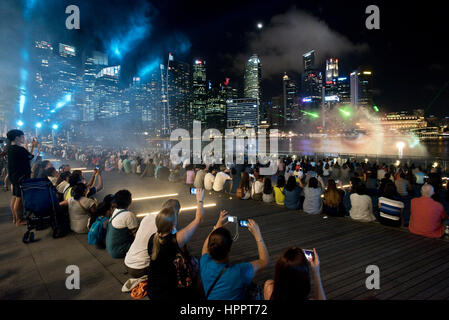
(155, 251)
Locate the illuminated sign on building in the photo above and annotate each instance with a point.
(307, 100)
(332, 98)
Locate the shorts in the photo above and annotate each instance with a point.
(16, 190)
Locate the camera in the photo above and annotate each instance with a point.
(242, 223)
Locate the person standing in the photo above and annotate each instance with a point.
(19, 169)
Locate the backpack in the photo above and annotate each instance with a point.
(187, 269)
(96, 233)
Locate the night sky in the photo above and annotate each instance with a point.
(407, 55)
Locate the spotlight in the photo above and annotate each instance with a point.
(55, 127)
(20, 123)
(38, 125)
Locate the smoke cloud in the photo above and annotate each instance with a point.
(283, 41)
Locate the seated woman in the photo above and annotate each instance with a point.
(391, 207)
(221, 279)
(292, 277)
(312, 196)
(333, 200)
(80, 208)
(122, 226)
(245, 186)
(236, 176)
(361, 205)
(292, 194)
(278, 195)
(163, 247)
(257, 189)
(267, 195)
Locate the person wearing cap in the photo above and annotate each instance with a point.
(19, 169)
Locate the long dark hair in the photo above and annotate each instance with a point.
(281, 181)
(244, 183)
(291, 276)
(267, 186)
(291, 183)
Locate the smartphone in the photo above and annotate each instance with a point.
(308, 254)
(232, 219)
(97, 168)
(192, 190)
(244, 223)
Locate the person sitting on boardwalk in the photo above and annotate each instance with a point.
(312, 193)
(220, 180)
(163, 248)
(244, 190)
(333, 200)
(292, 194)
(390, 206)
(81, 208)
(361, 205)
(222, 280)
(267, 190)
(137, 260)
(427, 215)
(292, 277)
(122, 226)
(278, 190)
(209, 179)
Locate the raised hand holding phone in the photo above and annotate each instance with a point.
(222, 219)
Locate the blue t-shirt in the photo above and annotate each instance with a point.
(232, 283)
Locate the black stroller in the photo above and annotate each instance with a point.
(41, 209)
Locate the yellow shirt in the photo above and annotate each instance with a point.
(279, 196)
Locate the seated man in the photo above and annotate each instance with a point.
(427, 215)
(122, 226)
(220, 180)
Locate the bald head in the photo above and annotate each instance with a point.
(427, 190)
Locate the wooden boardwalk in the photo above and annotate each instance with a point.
(411, 267)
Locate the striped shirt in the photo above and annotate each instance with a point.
(390, 209)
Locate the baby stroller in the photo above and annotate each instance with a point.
(41, 209)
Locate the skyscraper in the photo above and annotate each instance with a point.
(108, 93)
(179, 88)
(67, 83)
(199, 88)
(290, 102)
(253, 78)
(241, 113)
(44, 61)
(343, 90)
(361, 88)
(308, 60)
(311, 82)
(331, 70)
(92, 66)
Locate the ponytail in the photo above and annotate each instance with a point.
(165, 221)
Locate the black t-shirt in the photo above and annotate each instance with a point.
(19, 163)
(162, 272)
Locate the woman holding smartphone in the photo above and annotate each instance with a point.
(292, 277)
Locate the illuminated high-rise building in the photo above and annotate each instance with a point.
(199, 90)
(92, 66)
(361, 88)
(308, 60)
(107, 93)
(331, 70)
(290, 110)
(179, 88)
(44, 62)
(253, 78)
(343, 90)
(67, 81)
(242, 113)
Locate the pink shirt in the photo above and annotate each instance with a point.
(190, 176)
(426, 216)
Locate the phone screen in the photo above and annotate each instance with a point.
(192, 190)
(231, 219)
(244, 223)
(308, 254)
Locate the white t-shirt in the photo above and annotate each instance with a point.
(137, 256)
(220, 180)
(209, 181)
(361, 208)
(126, 219)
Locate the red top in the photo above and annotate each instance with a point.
(426, 216)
